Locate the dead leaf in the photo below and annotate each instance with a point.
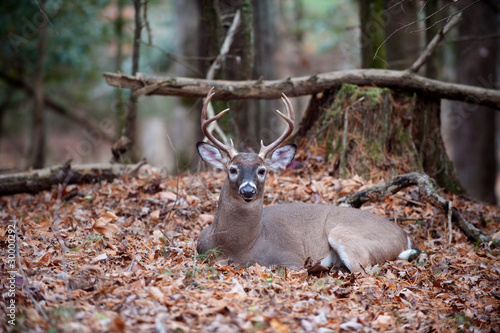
(100, 257)
(278, 326)
(103, 226)
(45, 260)
(155, 216)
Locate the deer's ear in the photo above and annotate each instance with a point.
(282, 156)
(211, 155)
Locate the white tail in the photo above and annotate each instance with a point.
(246, 232)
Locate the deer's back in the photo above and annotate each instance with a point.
(303, 229)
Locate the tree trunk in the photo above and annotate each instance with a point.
(373, 49)
(402, 46)
(38, 136)
(473, 127)
(434, 63)
(131, 119)
(377, 133)
(238, 65)
(119, 106)
(265, 122)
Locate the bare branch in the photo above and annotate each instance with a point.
(146, 21)
(409, 25)
(224, 50)
(434, 43)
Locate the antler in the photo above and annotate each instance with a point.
(205, 122)
(290, 119)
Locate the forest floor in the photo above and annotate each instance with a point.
(120, 257)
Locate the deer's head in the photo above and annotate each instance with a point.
(246, 172)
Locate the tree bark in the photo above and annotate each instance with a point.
(402, 46)
(119, 106)
(37, 150)
(373, 49)
(308, 85)
(377, 133)
(131, 119)
(43, 179)
(265, 123)
(435, 61)
(473, 128)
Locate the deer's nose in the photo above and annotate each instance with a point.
(248, 191)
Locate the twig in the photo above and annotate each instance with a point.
(408, 25)
(342, 169)
(226, 45)
(64, 249)
(146, 21)
(434, 43)
(406, 219)
(26, 283)
(450, 229)
(135, 168)
(410, 200)
(129, 269)
(169, 213)
(224, 50)
(342, 162)
(474, 38)
(46, 17)
(176, 58)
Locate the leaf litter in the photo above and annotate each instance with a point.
(121, 258)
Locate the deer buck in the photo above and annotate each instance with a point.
(286, 235)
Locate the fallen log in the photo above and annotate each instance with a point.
(428, 190)
(143, 84)
(34, 181)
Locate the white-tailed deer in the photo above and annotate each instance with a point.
(246, 232)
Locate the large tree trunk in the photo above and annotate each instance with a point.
(473, 127)
(377, 133)
(38, 136)
(238, 65)
(251, 56)
(371, 20)
(119, 106)
(266, 124)
(131, 119)
(402, 45)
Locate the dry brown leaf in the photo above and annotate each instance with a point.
(103, 226)
(155, 215)
(166, 196)
(278, 326)
(45, 260)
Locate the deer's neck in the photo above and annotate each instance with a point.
(237, 224)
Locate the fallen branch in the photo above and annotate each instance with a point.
(429, 191)
(43, 179)
(306, 85)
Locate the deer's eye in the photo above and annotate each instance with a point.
(261, 172)
(233, 171)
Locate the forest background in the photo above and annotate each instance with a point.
(55, 105)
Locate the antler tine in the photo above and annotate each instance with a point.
(290, 120)
(205, 122)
